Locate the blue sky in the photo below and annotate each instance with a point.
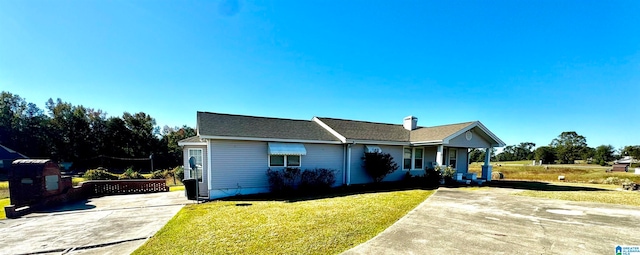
(528, 70)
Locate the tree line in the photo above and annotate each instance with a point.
(85, 136)
(566, 149)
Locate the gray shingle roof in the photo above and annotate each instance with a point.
(362, 130)
(437, 133)
(228, 125)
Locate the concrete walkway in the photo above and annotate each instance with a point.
(105, 225)
(494, 221)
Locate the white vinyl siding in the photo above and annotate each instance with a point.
(232, 169)
(478, 140)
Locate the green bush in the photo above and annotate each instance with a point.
(179, 172)
(284, 180)
(130, 174)
(615, 180)
(317, 179)
(289, 179)
(159, 174)
(431, 178)
(379, 165)
(99, 174)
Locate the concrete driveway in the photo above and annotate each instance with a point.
(494, 221)
(105, 225)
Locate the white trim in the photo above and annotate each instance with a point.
(349, 164)
(434, 142)
(374, 142)
(191, 143)
(202, 163)
(209, 166)
(266, 139)
(333, 132)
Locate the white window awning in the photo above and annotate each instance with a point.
(372, 149)
(287, 149)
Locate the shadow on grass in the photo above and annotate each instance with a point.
(539, 186)
(343, 191)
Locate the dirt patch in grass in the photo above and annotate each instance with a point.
(320, 226)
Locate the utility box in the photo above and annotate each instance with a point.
(32, 180)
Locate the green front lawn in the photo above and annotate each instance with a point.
(3, 202)
(322, 226)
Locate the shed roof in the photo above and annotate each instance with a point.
(6, 153)
(236, 126)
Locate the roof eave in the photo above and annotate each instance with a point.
(266, 139)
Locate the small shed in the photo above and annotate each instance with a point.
(620, 168)
(31, 180)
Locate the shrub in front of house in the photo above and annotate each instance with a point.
(429, 179)
(99, 174)
(289, 179)
(317, 179)
(379, 165)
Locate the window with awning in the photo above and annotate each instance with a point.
(287, 149)
(286, 154)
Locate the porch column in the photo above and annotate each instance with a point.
(486, 168)
(439, 155)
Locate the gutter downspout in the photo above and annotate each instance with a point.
(344, 164)
(349, 163)
(209, 171)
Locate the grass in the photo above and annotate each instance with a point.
(3, 202)
(551, 173)
(176, 188)
(605, 196)
(4, 190)
(322, 226)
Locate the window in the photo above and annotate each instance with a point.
(280, 160)
(417, 158)
(413, 158)
(407, 158)
(453, 155)
(51, 182)
(286, 154)
(293, 160)
(276, 160)
(197, 154)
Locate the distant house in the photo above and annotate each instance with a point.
(234, 151)
(6, 157)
